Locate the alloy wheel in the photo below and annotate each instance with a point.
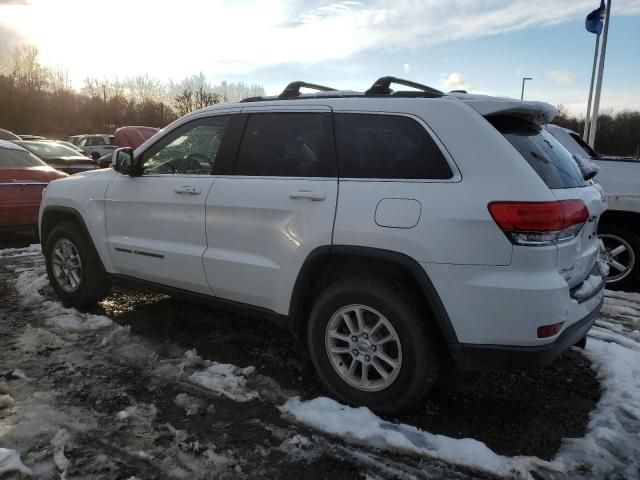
(67, 265)
(363, 348)
(618, 255)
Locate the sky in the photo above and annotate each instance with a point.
(482, 46)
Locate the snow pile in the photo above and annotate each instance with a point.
(10, 463)
(227, 380)
(30, 283)
(302, 448)
(588, 287)
(612, 443)
(6, 401)
(191, 405)
(588, 169)
(31, 250)
(142, 412)
(223, 379)
(361, 426)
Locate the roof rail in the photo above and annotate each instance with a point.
(381, 86)
(293, 89)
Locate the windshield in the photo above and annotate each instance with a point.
(49, 150)
(551, 161)
(14, 158)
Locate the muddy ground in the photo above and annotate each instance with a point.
(514, 413)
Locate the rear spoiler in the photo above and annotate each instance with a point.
(535, 112)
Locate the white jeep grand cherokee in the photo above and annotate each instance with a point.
(390, 230)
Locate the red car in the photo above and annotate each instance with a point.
(133, 136)
(23, 176)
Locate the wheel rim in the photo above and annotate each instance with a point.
(618, 254)
(66, 265)
(363, 348)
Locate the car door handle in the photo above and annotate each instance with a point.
(314, 197)
(188, 190)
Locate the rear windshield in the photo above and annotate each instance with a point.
(14, 158)
(49, 150)
(551, 161)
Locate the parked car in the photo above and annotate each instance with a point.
(619, 228)
(7, 135)
(71, 146)
(22, 179)
(31, 137)
(133, 137)
(59, 156)
(75, 139)
(462, 229)
(97, 145)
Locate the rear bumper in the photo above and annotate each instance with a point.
(502, 357)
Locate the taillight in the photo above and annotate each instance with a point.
(540, 223)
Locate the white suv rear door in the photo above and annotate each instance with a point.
(156, 222)
(276, 207)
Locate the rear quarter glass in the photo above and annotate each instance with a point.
(551, 161)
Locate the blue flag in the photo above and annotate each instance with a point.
(595, 19)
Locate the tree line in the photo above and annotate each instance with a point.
(39, 100)
(618, 133)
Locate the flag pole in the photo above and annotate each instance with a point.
(585, 135)
(596, 101)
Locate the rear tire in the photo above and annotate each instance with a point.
(75, 287)
(413, 347)
(622, 249)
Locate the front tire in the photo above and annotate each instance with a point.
(372, 344)
(73, 267)
(621, 251)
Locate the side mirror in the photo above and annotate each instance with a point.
(123, 161)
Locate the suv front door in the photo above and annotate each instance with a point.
(278, 206)
(156, 222)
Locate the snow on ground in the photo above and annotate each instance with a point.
(39, 422)
(30, 283)
(29, 251)
(361, 426)
(227, 380)
(73, 341)
(610, 448)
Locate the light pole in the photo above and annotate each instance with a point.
(524, 79)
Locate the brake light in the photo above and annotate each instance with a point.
(540, 223)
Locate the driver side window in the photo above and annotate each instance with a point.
(191, 149)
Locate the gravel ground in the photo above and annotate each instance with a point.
(87, 379)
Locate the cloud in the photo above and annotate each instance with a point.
(204, 35)
(406, 68)
(455, 81)
(562, 76)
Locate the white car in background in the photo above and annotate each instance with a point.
(95, 145)
(619, 228)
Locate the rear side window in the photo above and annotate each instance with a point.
(14, 158)
(585, 146)
(286, 145)
(387, 146)
(551, 161)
